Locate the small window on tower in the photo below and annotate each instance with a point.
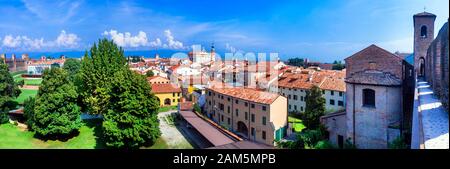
(423, 31)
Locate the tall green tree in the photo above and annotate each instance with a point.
(56, 113)
(132, 120)
(9, 90)
(72, 66)
(296, 62)
(28, 110)
(315, 108)
(96, 73)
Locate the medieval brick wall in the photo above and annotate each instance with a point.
(437, 65)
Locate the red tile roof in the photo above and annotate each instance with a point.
(306, 78)
(248, 94)
(165, 88)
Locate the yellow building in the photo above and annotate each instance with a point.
(167, 94)
(158, 80)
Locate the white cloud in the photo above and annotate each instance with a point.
(126, 40)
(140, 40)
(64, 40)
(172, 43)
(67, 40)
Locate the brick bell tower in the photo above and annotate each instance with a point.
(423, 36)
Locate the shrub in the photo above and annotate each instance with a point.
(324, 144)
(4, 118)
(398, 143)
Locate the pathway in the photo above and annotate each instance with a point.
(173, 137)
(433, 119)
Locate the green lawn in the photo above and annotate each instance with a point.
(33, 82)
(298, 124)
(12, 137)
(167, 108)
(25, 94)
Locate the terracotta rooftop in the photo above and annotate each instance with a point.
(374, 78)
(186, 106)
(155, 77)
(248, 94)
(165, 88)
(307, 78)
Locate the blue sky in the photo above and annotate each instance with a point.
(324, 30)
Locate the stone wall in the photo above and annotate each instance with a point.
(437, 65)
(371, 123)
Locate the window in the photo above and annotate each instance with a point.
(209, 103)
(323, 91)
(237, 101)
(264, 108)
(173, 100)
(173, 94)
(237, 112)
(228, 109)
(263, 135)
(340, 103)
(229, 122)
(246, 104)
(246, 115)
(253, 131)
(331, 102)
(221, 116)
(228, 99)
(301, 98)
(423, 31)
(221, 97)
(253, 117)
(289, 106)
(301, 108)
(369, 98)
(340, 93)
(295, 97)
(264, 120)
(178, 100)
(178, 94)
(289, 96)
(332, 93)
(253, 105)
(218, 96)
(221, 106)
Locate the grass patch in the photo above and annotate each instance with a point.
(15, 138)
(25, 94)
(297, 123)
(33, 82)
(167, 108)
(18, 73)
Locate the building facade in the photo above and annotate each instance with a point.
(167, 94)
(255, 115)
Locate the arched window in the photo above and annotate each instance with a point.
(368, 98)
(423, 31)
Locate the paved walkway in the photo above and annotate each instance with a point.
(173, 137)
(434, 119)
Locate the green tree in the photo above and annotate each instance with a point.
(296, 62)
(28, 110)
(96, 73)
(315, 108)
(132, 120)
(149, 73)
(9, 89)
(197, 108)
(324, 144)
(56, 113)
(337, 65)
(398, 143)
(72, 66)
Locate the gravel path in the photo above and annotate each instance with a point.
(173, 137)
(434, 118)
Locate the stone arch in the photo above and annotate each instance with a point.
(167, 102)
(242, 128)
